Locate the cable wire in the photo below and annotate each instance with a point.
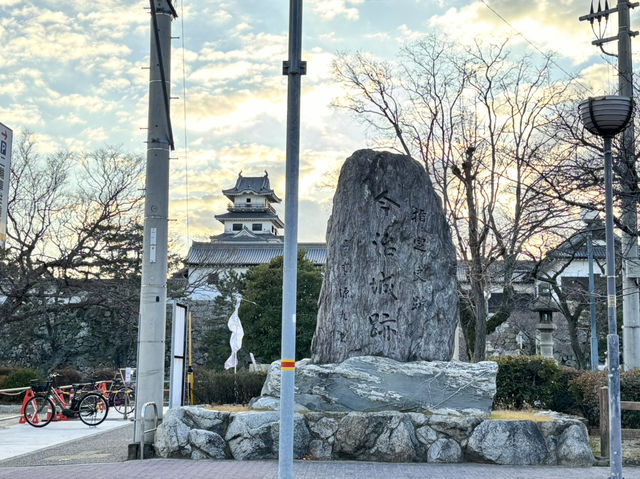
(184, 119)
(535, 47)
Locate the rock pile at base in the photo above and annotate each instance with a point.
(390, 436)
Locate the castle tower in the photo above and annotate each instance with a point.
(251, 214)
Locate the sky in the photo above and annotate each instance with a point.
(75, 74)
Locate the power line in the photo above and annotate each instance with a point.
(535, 47)
(184, 119)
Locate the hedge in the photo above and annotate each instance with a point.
(525, 381)
(214, 387)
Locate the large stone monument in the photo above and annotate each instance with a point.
(390, 282)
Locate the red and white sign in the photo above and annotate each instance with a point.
(6, 139)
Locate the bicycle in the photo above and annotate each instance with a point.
(120, 396)
(42, 402)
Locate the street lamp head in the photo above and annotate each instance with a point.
(606, 115)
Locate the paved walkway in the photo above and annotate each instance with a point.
(18, 439)
(72, 449)
(175, 468)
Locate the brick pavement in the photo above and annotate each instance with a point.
(176, 468)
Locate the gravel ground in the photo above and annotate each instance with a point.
(630, 450)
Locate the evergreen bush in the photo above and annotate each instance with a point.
(225, 387)
(17, 378)
(525, 381)
(563, 399)
(20, 378)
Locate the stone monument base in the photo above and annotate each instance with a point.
(372, 383)
(198, 433)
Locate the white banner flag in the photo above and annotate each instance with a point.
(237, 333)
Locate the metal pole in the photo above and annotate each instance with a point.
(592, 302)
(294, 68)
(613, 347)
(630, 297)
(153, 292)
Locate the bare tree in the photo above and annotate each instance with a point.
(476, 117)
(70, 218)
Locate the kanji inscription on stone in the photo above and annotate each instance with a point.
(391, 266)
(382, 325)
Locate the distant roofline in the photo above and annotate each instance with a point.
(246, 184)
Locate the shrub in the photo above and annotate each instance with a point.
(103, 374)
(20, 378)
(66, 376)
(15, 378)
(226, 387)
(525, 381)
(585, 389)
(4, 372)
(563, 399)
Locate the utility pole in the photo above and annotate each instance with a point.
(153, 292)
(628, 180)
(629, 186)
(294, 68)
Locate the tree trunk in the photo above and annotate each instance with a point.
(578, 352)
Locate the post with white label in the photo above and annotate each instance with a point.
(294, 69)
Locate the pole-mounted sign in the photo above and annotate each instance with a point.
(6, 138)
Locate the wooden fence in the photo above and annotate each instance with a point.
(603, 395)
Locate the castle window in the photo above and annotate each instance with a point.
(237, 226)
(256, 227)
(248, 200)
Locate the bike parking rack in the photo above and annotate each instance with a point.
(142, 418)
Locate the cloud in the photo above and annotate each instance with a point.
(547, 25)
(602, 78)
(330, 9)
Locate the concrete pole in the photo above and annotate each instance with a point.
(630, 296)
(153, 292)
(613, 346)
(592, 302)
(294, 68)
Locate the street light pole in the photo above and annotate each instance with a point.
(628, 182)
(294, 68)
(607, 116)
(613, 345)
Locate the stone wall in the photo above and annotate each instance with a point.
(91, 343)
(388, 436)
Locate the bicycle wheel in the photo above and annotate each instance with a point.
(39, 411)
(124, 400)
(93, 409)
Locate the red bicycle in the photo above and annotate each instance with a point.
(43, 403)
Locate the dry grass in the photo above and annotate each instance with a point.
(227, 407)
(523, 415)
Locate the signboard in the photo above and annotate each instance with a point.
(178, 343)
(6, 139)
